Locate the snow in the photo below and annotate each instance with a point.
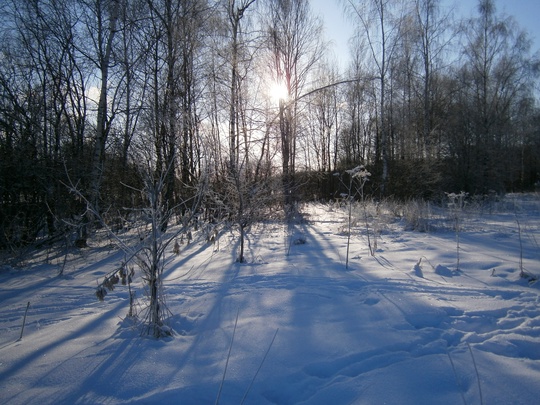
(404, 326)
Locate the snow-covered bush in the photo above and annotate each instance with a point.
(417, 214)
(148, 252)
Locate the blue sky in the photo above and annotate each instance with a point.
(338, 28)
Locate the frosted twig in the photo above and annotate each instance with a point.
(477, 375)
(228, 357)
(260, 366)
(24, 320)
(457, 379)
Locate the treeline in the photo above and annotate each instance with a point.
(243, 101)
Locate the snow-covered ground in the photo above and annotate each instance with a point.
(400, 327)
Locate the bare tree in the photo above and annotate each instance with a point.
(433, 39)
(174, 40)
(294, 43)
(325, 118)
(134, 79)
(100, 20)
(380, 21)
(44, 112)
(235, 13)
(358, 138)
(149, 255)
(496, 76)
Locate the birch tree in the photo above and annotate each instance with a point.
(496, 75)
(294, 45)
(380, 22)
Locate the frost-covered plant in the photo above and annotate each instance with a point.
(522, 272)
(240, 199)
(416, 214)
(149, 252)
(123, 275)
(151, 256)
(456, 204)
(358, 177)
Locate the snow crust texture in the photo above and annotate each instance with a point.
(404, 326)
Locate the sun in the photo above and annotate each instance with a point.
(93, 94)
(278, 92)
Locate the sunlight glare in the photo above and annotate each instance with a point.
(278, 92)
(93, 94)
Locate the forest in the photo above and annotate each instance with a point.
(235, 110)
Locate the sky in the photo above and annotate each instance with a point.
(339, 28)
